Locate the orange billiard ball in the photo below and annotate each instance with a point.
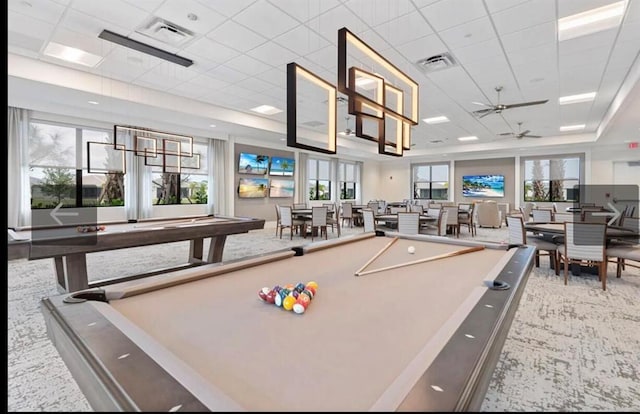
(312, 284)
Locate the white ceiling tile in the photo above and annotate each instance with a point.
(146, 5)
(490, 72)
(594, 59)
(422, 48)
(450, 13)
(28, 26)
(45, 10)
(301, 40)
(532, 56)
(211, 50)
(375, 41)
(227, 8)
(275, 92)
(114, 11)
(630, 32)
(497, 5)
(531, 37)
(172, 71)
(126, 64)
(247, 64)
(477, 31)
(89, 25)
(326, 57)
(227, 74)
(256, 84)
(304, 10)
(275, 76)
(538, 74)
(176, 11)
(200, 64)
(581, 80)
(478, 51)
(142, 38)
(236, 36)
(375, 12)
(273, 54)
(261, 16)
(93, 45)
(423, 3)
(587, 43)
(208, 82)
(404, 29)
(525, 15)
(158, 80)
(24, 44)
(237, 91)
(328, 23)
(567, 8)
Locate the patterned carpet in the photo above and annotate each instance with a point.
(570, 348)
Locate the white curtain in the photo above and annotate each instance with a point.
(218, 177)
(334, 177)
(137, 185)
(303, 181)
(18, 188)
(358, 179)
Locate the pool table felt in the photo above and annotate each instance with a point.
(361, 344)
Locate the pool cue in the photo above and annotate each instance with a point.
(358, 272)
(428, 259)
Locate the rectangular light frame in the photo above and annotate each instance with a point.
(579, 98)
(436, 120)
(150, 133)
(293, 71)
(591, 21)
(94, 170)
(144, 48)
(576, 127)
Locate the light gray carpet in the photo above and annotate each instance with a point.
(570, 348)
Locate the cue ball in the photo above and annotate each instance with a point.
(411, 250)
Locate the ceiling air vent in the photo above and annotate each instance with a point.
(435, 63)
(166, 32)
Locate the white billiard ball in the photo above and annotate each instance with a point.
(411, 250)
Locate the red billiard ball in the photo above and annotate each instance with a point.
(263, 293)
(271, 297)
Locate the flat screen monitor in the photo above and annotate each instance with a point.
(281, 188)
(483, 186)
(253, 187)
(253, 163)
(282, 166)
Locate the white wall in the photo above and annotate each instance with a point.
(371, 181)
(395, 180)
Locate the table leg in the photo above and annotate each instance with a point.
(216, 248)
(71, 272)
(195, 250)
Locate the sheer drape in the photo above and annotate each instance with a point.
(218, 177)
(358, 178)
(18, 188)
(137, 186)
(303, 181)
(334, 176)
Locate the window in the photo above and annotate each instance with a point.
(189, 186)
(319, 179)
(58, 168)
(347, 177)
(430, 181)
(551, 179)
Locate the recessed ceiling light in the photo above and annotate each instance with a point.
(94, 102)
(591, 21)
(71, 54)
(572, 127)
(471, 138)
(266, 109)
(571, 99)
(282, 139)
(212, 125)
(436, 119)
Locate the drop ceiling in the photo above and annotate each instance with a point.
(240, 49)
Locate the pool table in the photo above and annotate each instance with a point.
(69, 247)
(423, 335)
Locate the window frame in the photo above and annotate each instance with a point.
(430, 181)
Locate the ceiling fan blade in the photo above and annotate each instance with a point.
(488, 112)
(506, 133)
(525, 104)
(480, 103)
(533, 136)
(524, 133)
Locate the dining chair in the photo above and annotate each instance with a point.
(585, 242)
(518, 236)
(416, 208)
(299, 206)
(395, 210)
(277, 218)
(408, 223)
(453, 223)
(347, 213)
(542, 215)
(287, 221)
(622, 255)
(319, 221)
(369, 220)
(334, 220)
(443, 216)
(434, 212)
(465, 218)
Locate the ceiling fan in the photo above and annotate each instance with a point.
(521, 134)
(498, 108)
(348, 131)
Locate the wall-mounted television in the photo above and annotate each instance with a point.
(281, 188)
(483, 186)
(253, 187)
(253, 163)
(281, 166)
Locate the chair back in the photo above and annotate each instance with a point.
(319, 216)
(465, 206)
(369, 221)
(452, 217)
(443, 215)
(585, 241)
(395, 210)
(408, 223)
(541, 215)
(517, 234)
(285, 216)
(299, 206)
(631, 223)
(416, 208)
(593, 216)
(435, 205)
(277, 212)
(434, 212)
(329, 206)
(373, 205)
(347, 210)
(526, 211)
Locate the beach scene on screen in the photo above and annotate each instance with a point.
(253, 187)
(483, 186)
(281, 166)
(253, 163)
(281, 188)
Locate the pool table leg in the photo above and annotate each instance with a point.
(71, 272)
(195, 250)
(216, 248)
